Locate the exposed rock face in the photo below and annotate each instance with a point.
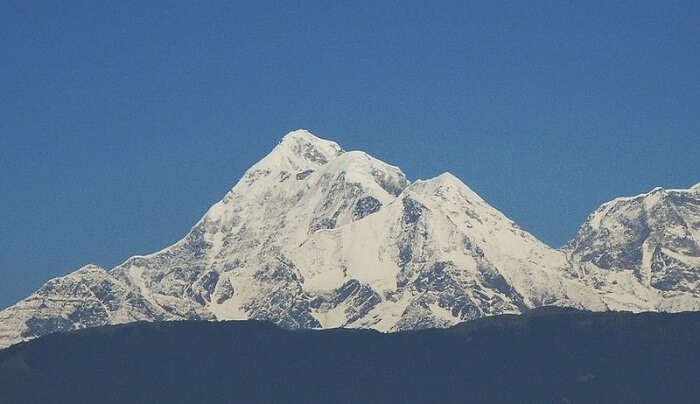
(316, 237)
(88, 297)
(648, 245)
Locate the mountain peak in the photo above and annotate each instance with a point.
(299, 150)
(302, 141)
(652, 236)
(448, 177)
(300, 134)
(443, 184)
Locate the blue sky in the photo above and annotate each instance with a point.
(122, 122)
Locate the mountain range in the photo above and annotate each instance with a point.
(313, 236)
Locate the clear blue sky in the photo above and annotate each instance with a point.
(122, 122)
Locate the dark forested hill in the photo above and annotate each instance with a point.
(546, 355)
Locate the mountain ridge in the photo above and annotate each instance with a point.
(313, 236)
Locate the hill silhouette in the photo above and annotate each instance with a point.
(547, 355)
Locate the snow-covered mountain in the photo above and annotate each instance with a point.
(643, 252)
(316, 237)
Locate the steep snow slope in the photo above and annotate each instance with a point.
(316, 237)
(436, 255)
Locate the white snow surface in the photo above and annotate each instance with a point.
(313, 236)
